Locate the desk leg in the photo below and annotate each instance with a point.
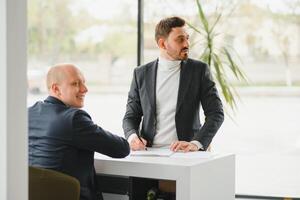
(183, 189)
(213, 180)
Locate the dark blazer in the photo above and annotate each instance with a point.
(196, 88)
(63, 138)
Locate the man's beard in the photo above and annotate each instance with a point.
(181, 56)
(184, 54)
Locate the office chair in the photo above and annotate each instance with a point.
(46, 184)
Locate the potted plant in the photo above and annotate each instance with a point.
(218, 57)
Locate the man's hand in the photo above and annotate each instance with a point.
(183, 146)
(136, 144)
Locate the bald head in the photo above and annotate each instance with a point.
(58, 73)
(66, 82)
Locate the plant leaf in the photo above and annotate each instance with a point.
(202, 17)
(234, 67)
(194, 28)
(216, 22)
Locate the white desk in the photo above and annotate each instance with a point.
(196, 178)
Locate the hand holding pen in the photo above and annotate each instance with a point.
(144, 142)
(137, 143)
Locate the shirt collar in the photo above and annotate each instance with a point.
(54, 100)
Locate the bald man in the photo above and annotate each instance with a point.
(63, 137)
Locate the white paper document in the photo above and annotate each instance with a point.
(153, 152)
(168, 153)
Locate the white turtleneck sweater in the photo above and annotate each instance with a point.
(167, 84)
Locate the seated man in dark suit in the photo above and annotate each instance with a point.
(63, 137)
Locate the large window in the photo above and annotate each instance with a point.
(100, 37)
(263, 132)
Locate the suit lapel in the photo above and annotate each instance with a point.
(184, 82)
(150, 77)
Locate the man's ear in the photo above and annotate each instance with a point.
(161, 43)
(55, 89)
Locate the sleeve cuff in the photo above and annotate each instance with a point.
(130, 138)
(198, 144)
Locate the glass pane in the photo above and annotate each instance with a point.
(100, 37)
(263, 131)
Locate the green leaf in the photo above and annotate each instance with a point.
(225, 87)
(218, 57)
(202, 17)
(234, 67)
(216, 22)
(194, 28)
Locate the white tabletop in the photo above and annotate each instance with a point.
(177, 159)
(198, 175)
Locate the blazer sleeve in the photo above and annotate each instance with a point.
(90, 136)
(134, 113)
(212, 107)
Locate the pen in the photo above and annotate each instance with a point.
(138, 135)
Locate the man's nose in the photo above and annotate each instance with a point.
(84, 88)
(186, 43)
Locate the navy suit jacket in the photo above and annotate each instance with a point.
(63, 138)
(196, 88)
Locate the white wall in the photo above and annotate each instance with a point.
(13, 112)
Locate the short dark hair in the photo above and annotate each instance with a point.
(164, 27)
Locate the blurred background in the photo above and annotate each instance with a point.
(101, 38)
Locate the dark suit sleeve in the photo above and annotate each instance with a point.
(134, 113)
(90, 136)
(213, 109)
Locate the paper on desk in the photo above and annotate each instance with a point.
(165, 152)
(196, 154)
(153, 152)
